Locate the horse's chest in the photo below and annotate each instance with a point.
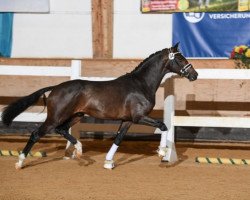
(142, 103)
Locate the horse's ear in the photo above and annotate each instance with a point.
(176, 46)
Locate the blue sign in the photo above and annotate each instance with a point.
(6, 21)
(211, 34)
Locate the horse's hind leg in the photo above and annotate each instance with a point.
(123, 129)
(35, 136)
(64, 131)
(77, 144)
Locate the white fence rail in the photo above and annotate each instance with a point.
(223, 73)
(73, 71)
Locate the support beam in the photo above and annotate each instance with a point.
(102, 28)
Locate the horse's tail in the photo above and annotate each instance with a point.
(17, 107)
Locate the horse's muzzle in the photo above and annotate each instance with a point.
(193, 76)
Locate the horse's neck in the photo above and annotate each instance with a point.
(151, 74)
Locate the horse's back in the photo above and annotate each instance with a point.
(106, 99)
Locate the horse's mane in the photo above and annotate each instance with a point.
(142, 63)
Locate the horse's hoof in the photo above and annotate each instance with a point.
(18, 166)
(66, 158)
(109, 164)
(163, 127)
(162, 151)
(76, 154)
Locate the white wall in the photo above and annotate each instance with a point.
(138, 35)
(24, 6)
(66, 32)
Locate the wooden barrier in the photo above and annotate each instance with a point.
(103, 69)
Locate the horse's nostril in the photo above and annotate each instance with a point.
(192, 77)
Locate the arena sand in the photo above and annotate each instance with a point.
(139, 174)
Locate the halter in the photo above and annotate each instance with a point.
(184, 69)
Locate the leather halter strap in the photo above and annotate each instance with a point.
(184, 69)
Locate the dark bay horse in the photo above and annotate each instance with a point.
(129, 98)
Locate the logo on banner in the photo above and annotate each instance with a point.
(193, 17)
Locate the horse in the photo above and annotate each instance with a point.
(129, 98)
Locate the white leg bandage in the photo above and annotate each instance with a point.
(162, 149)
(21, 158)
(111, 152)
(78, 150)
(78, 146)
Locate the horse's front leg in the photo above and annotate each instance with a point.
(162, 149)
(152, 122)
(109, 163)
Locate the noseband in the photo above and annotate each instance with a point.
(184, 69)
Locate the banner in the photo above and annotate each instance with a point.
(6, 21)
(210, 34)
(194, 5)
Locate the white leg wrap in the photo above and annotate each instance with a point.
(111, 152)
(78, 150)
(109, 163)
(162, 151)
(68, 145)
(21, 159)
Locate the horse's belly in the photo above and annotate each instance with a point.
(109, 113)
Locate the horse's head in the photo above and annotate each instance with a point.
(178, 64)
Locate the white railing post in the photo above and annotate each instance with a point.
(75, 69)
(167, 137)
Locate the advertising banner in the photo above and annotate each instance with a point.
(211, 34)
(194, 5)
(6, 22)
